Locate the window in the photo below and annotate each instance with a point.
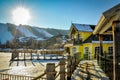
(78, 36)
(110, 50)
(74, 49)
(86, 50)
(97, 49)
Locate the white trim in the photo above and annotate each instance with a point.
(103, 41)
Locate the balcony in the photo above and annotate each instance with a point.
(77, 41)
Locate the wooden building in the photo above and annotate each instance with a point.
(109, 24)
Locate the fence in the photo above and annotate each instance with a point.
(26, 52)
(66, 68)
(14, 77)
(106, 64)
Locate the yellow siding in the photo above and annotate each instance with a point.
(105, 47)
(91, 46)
(75, 35)
(81, 52)
(86, 35)
(83, 35)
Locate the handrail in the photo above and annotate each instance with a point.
(103, 57)
(10, 76)
(45, 73)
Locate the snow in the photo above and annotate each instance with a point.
(25, 31)
(82, 27)
(39, 39)
(44, 32)
(5, 35)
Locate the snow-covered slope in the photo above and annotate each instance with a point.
(25, 31)
(9, 31)
(46, 34)
(5, 35)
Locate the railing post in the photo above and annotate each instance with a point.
(50, 71)
(44, 55)
(69, 68)
(77, 58)
(62, 69)
(105, 61)
(75, 61)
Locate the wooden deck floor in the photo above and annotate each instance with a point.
(89, 70)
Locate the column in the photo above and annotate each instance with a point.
(116, 49)
(101, 49)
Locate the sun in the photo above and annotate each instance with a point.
(21, 15)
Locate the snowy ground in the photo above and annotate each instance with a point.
(89, 70)
(32, 68)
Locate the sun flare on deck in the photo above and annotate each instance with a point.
(21, 15)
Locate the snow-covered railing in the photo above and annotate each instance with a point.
(66, 68)
(51, 72)
(62, 71)
(26, 52)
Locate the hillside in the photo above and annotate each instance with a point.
(9, 32)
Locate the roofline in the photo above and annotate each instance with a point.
(72, 26)
(105, 18)
(99, 26)
(85, 24)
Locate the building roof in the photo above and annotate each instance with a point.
(107, 19)
(83, 27)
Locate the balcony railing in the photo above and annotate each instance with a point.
(77, 41)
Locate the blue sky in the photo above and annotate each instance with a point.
(57, 13)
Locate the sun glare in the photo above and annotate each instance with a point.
(21, 16)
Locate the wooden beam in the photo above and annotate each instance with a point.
(108, 24)
(101, 48)
(98, 26)
(116, 50)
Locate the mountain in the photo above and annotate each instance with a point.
(55, 42)
(9, 32)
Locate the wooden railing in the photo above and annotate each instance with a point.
(52, 73)
(106, 64)
(14, 77)
(62, 71)
(16, 53)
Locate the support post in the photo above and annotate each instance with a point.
(50, 71)
(101, 48)
(62, 69)
(116, 49)
(69, 68)
(105, 66)
(44, 55)
(24, 55)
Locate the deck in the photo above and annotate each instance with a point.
(89, 70)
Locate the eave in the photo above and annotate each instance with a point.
(107, 19)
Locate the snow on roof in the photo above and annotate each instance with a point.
(84, 27)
